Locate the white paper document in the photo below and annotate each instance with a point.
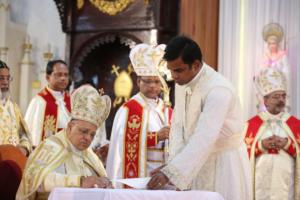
(137, 183)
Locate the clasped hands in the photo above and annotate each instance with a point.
(274, 143)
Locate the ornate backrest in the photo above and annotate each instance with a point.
(12, 163)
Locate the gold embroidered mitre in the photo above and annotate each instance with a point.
(270, 80)
(88, 105)
(146, 59)
(273, 30)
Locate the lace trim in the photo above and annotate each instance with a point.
(176, 178)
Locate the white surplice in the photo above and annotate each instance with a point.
(153, 121)
(274, 173)
(35, 115)
(207, 151)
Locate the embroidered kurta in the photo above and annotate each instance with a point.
(134, 148)
(13, 129)
(57, 163)
(47, 113)
(207, 151)
(275, 173)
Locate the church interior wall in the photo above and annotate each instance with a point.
(40, 21)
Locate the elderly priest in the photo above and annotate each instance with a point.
(65, 159)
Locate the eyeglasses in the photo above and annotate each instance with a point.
(149, 82)
(6, 78)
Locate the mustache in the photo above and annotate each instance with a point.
(281, 104)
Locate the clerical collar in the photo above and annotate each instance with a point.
(193, 82)
(58, 94)
(272, 116)
(151, 102)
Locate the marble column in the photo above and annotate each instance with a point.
(25, 80)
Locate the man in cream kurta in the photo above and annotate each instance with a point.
(273, 139)
(13, 129)
(65, 159)
(141, 125)
(206, 142)
(49, 111)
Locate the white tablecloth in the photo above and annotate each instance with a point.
(127, 194)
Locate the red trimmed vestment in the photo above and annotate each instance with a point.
(135, 149)
(47, 113)
(276, 174)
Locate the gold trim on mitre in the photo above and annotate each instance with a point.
(145, 59)
(87, 104)
(273, 29)
(271, 80)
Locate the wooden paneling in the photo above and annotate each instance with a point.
(91, 49)
(199, 20)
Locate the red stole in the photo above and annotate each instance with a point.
(132, 139)
(254, 125)
(50, 116)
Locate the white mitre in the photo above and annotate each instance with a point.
(88, 105)
(146, 59)
(270, 80)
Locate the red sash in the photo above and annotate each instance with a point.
(50, 116)
(254, 125)
(132, 139)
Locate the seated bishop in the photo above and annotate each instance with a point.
(66, 159)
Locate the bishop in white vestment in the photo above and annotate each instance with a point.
(141, 125)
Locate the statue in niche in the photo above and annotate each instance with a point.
(274, 57)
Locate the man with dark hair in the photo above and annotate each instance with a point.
(13, 129)
(206, 149)
(48, 112)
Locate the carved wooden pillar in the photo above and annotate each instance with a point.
(199, 20)
(100, 37)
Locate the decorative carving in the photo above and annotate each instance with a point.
(4, 6)
(123, 84)
(80, 4)
(61, 7)
(111, 7)
(101, 41)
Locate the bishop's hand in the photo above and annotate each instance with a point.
(163, 133)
